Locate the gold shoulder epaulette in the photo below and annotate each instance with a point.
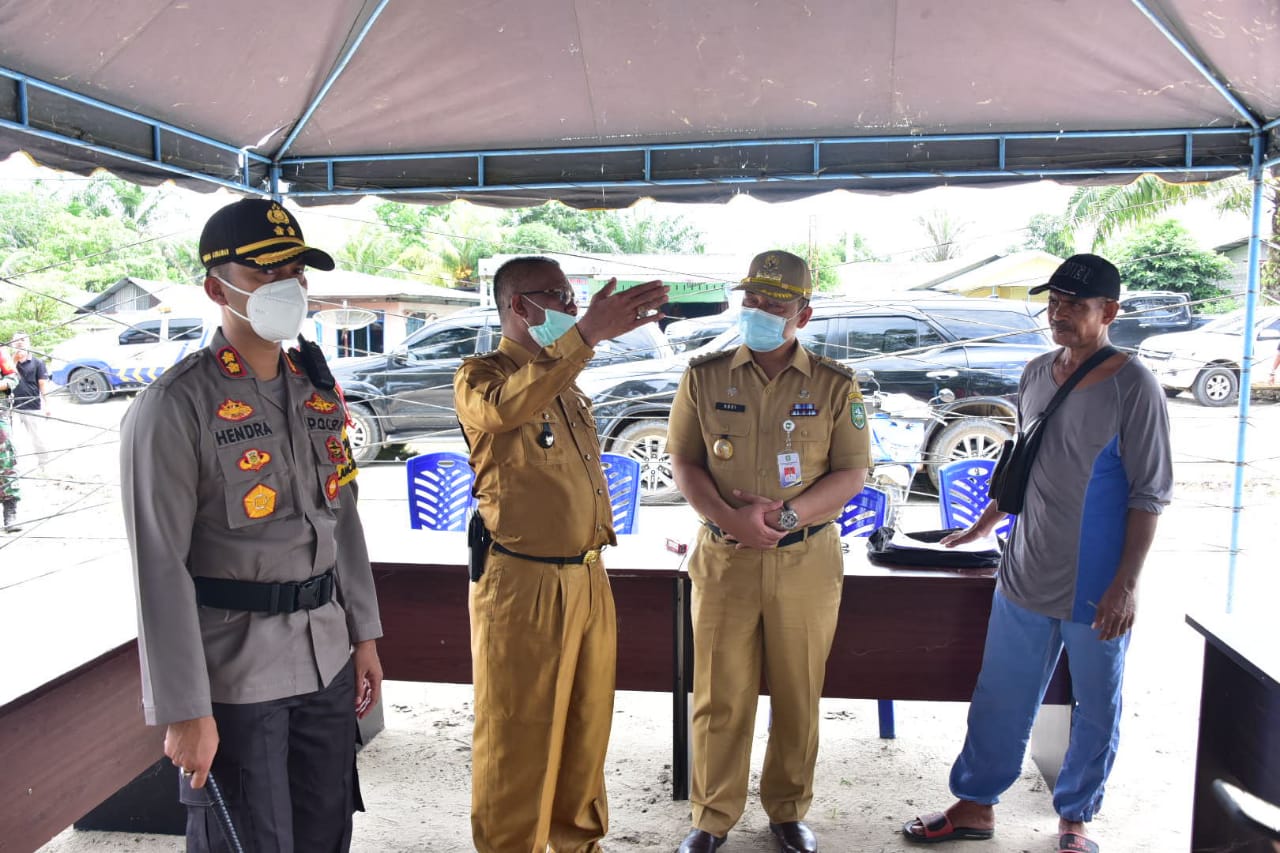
(711, 356)
(842, 369)
(474, 356)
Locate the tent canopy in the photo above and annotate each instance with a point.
(600, 103)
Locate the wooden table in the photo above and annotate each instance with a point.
(902, 633)
(1239, 739)
(67, 745)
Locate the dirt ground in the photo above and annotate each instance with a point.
(416, 775)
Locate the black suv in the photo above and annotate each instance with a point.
(409, 391)
(976, 348)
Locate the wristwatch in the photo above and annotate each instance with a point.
(787, 518)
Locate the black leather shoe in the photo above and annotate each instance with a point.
(794, 837)
(701, 841)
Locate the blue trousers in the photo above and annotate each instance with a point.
(1021, 652)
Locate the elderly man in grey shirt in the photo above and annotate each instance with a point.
(256, 607)
(1101, 477)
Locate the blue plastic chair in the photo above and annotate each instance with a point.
(963, 488)
(864, 512)
(622, 473)
(439, 491)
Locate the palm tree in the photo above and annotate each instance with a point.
(1111, 209)
(944, 236)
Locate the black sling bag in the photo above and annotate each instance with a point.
(1013, 470)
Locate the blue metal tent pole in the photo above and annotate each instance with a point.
(331, 79)
(1246, 372)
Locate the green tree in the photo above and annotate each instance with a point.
(633, 231)
(38, 308)
(825, 260)
(1049, 233)
(1112, 209)
(1164, 256)
(943, 232)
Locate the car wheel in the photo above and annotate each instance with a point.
(363, 432)
(1216, 386)
(89, 386)
(646, 442)
(966, 438)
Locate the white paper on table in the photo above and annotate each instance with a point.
(905, 540)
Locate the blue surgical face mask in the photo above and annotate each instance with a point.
(553, 326)
(761, 331)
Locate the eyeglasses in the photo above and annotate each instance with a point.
(566, 297)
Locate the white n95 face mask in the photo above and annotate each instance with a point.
(276, 310)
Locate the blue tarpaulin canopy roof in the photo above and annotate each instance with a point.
(600, 103)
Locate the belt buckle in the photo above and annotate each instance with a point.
(309, 593)
(591, 557)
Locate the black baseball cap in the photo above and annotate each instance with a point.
(1083, 276)
(258, 233)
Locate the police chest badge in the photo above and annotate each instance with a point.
(260, 501)
(857, 412)
(253, 459)
(234, 410)
(333, 446)
(331, 487)
(320, 404)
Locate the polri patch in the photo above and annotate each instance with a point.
(253, 459)
(260, 501)
(730, 407)
(234, 410)
(320, 404)
(229, 363)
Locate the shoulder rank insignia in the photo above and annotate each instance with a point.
(229, 363)
(289, 360)
(320, 404)
(333, 446)
(842, 369)
(711, 356)
(331, 487)
(260, 501)
(234, 410)
(253, 459)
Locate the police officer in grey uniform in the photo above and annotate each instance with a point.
(256, 608)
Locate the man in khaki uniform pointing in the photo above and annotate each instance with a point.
(768, 442)
(543, 631)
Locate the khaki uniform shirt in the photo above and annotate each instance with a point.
(541, 501)
(223, 476)
(726, 398)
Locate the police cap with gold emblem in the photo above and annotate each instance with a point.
(258, 233)
(780, 276)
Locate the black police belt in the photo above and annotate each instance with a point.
(790, 539)
(588, 557)
(290, 597)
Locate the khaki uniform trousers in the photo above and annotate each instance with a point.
(781, 606)
(544, 655)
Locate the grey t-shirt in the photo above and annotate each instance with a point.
(1104, 451)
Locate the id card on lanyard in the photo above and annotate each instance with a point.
(789, 461)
